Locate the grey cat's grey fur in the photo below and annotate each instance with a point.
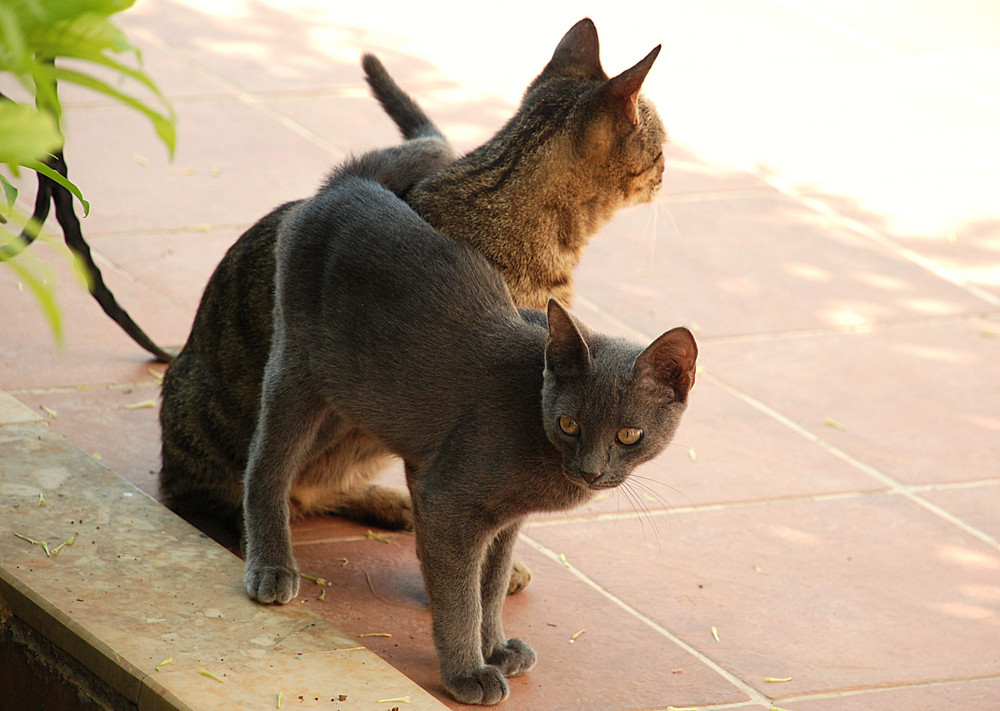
(391, 338)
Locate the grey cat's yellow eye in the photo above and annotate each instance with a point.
(629, 435)
(569, 425)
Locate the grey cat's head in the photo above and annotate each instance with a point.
(614, 132)
(608, 405)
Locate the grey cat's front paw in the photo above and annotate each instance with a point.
(513, 658)
(272, 585)
(520, 576)
(486, 687)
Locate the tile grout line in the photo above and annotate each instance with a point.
(875, 236)
(754, 695)
(894, 486)
(872, 690)
(702, 508)
(245, 96)
(869, 327)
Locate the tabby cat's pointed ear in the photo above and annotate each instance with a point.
(577, 54)
(669, 361)
(566, 351)
(623, 90)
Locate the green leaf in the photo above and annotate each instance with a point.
(56, 10)
(10, 192)
(163, 125)
(26, 134)
(81, 37)
(35, 274)
(45, 170)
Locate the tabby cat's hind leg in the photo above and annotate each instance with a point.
(379, 506)
(520, 576)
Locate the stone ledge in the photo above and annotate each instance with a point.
(138, 585)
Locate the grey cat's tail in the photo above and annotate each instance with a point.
(402, 109)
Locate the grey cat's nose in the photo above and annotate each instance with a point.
(590, 477)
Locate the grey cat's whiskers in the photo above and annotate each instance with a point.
(642, 511)
(649, 481)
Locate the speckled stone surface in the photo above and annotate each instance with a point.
(122, 584)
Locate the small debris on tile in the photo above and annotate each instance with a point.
(41, 498)
(281, 697)
(49, 411)
(164, 663)
(399, 700)
(576, 636)
(68, 542)
(157, 375)
(693, 455)
(374, 634)
(715, 632)
(205, 672)
(562, 559)
(318, 581)
(32, 541)
(777, 679)
(140, 405)
(375, 537)
(830, 422)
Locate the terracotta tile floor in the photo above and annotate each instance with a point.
(830, 511)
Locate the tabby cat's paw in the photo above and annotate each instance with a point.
(272, 585)
(513, 658)
(520, 576)
(486, 687)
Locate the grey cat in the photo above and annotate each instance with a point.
(391, 338)
(581, 146)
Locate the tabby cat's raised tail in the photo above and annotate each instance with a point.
(402, 109)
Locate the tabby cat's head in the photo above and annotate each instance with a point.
(609, 405)
(612, 132)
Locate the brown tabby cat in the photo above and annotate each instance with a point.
(580, 147)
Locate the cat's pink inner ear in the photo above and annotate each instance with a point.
(625, 87)
(670, 360)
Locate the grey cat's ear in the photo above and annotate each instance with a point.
(669, 361)
(566, 351)
(577, 54)
(623, 90)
